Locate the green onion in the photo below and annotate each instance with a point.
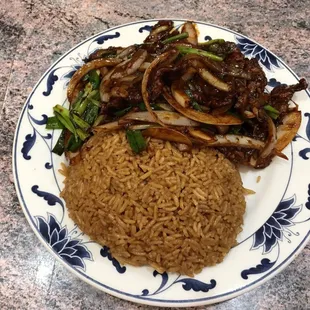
(122, 112)
(194, 103)
(53, 123)
(142, 106)
(82, 134)
(235, 130)
(80, 107)
(73, 144)
(272, 115)
(196, 106)
(60, 145)
(80, 122)
(136, 140)
(94, 95)
(98, 120)
(94, 79)
(87, 89)
(63, 116)
(175, 38)
(190, 50)
(91, 113)
(210, 42)
(269, 108)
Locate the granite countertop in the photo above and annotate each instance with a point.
(33, 34)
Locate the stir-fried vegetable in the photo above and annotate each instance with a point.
(136, 140)
(172, 87)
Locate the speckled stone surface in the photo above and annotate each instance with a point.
(33, 34)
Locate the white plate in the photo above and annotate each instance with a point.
(276, 223)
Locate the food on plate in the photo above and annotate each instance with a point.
(174, 88)
(153, 132)
(175, 211)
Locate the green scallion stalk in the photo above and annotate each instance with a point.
(80, 122)
(63, 115)
(136, 140)
(177, 37)
(190, 50)
(82, 134)
(210, 42)
(53, 123)
(122, 112)
(94, 79)
(270, 108)
(59, 147)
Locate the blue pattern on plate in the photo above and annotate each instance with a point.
(208, 38)
(264, 266)
(30, 139)
(71, 250)
(188, 284)
(100, 40)
(273, 230)
(253, 50)
(51, 79)
(304, 152)
(105, 252)
(274, 83)
(307, 204)
(145, 28)
(51, 199)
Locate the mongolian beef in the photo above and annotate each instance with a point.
(174, 88)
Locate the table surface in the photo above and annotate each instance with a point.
(33, 34)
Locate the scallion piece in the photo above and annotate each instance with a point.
(82, 134)
(91, 114)
(94, 79)
(122, 112)
(80, 122)
(180, 36)
(270, 108)
(63, 116)
(190, 50)
(136, 140)
(54, 123)
(272, 114)
(210, 42)
(59, 147)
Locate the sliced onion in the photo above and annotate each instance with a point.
(141, 126)
(201, 135)
(190, 28)
(127, 51)
(222, 129)
(179, 95)
(94, 64)
(226, 140)
(272, 138)
(188, 74)
(167, 134)
(200, 116)
(107, 127)
(166, 117)
(144, 66)
(213, 80)
(132, 66)
(249, 114)
(165, 107)
(288, 130)
(160, 59)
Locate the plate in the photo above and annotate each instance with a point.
(276, 222)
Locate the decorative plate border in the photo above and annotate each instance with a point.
(52, 235)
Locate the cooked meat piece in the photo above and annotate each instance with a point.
(281, 95)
